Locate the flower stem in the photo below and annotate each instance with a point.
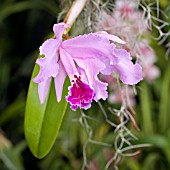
(73, 13)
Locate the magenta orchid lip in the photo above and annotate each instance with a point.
(80, 94)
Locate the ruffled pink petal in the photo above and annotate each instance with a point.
(111, 37)
(129, 73)
(89, 46)
(50, 49)
(92, 68)
(43, 89)
(59, 81)
(40, 77)
(109, 63)
(59, 29)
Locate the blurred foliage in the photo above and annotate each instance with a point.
(23, 26)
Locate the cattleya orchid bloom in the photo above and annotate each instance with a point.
(82, 58)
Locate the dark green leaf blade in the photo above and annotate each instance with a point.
(42, 122)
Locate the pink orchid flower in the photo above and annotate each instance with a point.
(82, 58)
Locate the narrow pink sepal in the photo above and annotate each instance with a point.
(59, 81)
(43, 89)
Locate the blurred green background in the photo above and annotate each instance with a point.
(23, 27)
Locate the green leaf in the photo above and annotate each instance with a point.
(42, 122)
(150, 161)
(11, 159)
(160, 141)
(164, 117)
(11, 156)
(145, 99)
